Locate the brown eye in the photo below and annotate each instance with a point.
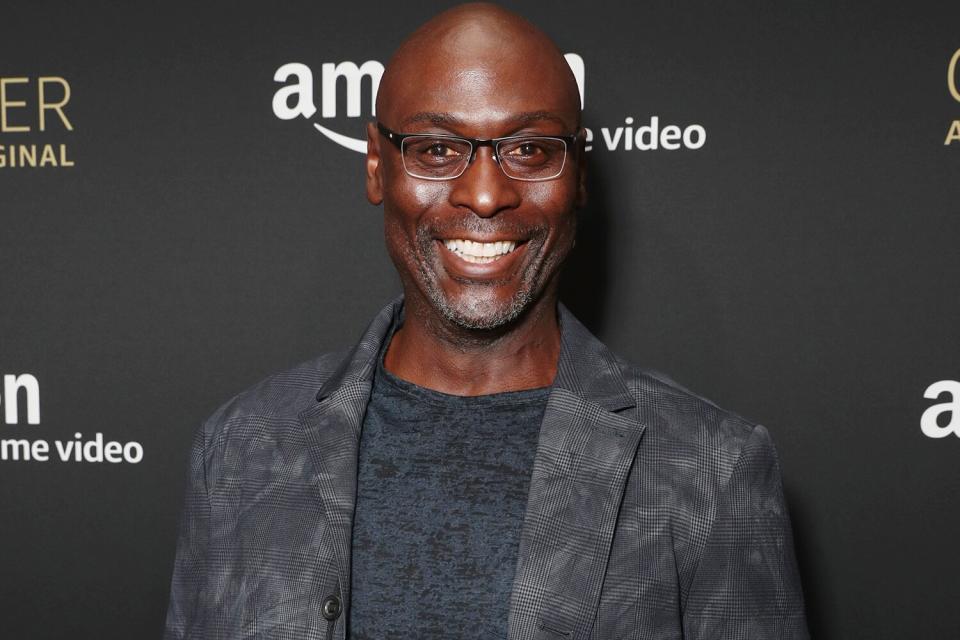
(438, 150)
(523, 150)
(527, 149)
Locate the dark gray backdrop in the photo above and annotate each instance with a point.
(801, 268)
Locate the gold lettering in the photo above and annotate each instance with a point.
(56, 106)
(28, 155)
(952, 76)
(48, 156)
(954, 134)
(6, 104)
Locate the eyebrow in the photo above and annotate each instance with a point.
(446, 119)
(433, 117)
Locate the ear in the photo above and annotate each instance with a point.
(374, 174)
(581, 155)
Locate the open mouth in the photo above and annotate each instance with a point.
(481, 252)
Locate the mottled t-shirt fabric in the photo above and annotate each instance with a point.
(441, 493)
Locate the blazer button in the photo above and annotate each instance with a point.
(331, 608)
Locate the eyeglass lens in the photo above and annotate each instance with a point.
(527, 158)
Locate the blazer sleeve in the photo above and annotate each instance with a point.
(747, 584)
(185, 612)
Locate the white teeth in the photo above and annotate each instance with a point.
(480, 252)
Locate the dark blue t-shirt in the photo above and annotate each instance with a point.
(441, 493)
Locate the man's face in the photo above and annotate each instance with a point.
(481, 247)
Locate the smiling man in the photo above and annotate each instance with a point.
(479, 465)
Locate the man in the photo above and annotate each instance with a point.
(479, 465)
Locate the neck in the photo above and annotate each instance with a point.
(430, 351)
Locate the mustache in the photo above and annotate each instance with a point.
(469, 224)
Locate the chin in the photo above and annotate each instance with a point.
(482, 312)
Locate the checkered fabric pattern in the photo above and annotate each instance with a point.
(652, 513)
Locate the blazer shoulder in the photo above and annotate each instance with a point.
(687, 419)
(277, 398)
(690, 450)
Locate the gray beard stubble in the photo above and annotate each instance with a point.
(483, 317)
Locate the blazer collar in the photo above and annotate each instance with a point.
(586, 367)
(361, 362)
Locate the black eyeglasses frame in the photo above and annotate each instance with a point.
(475, 143)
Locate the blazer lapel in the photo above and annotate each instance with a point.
(587, 444)
(332, 425)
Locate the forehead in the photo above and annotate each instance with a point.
(482, 88)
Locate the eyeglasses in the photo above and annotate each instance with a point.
(443, 157)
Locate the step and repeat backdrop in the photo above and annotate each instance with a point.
(774, 222)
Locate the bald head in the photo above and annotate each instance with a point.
(479, 54)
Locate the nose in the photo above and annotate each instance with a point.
(484, 188)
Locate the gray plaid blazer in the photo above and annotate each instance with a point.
(652, 513)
